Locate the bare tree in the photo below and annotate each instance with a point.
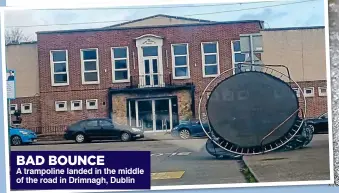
(15, 36)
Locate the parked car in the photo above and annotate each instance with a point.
(318, 124)
(21, 136)
(101, 129)
(188, 129)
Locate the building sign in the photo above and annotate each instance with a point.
(11, 86)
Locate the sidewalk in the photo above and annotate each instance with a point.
(308, 164)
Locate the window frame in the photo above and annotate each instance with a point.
(88, 107)
(60, 109)
(10, 108)
(234, 63)
(83, 66)
(73, 108)
(23, 111)
(52, 63)
(113, 59)
(203, 59)
(187, 62)
(309, 95)
(321, 93)
(298, 91)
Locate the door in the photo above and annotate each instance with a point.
(145, 114)
(92, 128)
(162, 114)
(108, 130)
(151, 71)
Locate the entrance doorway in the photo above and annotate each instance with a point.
(154, 115)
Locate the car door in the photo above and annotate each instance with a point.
(92, 129)
(323, 124)
(197, 129)
(108, 129)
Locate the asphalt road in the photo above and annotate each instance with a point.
(178, 162)
(182, 162)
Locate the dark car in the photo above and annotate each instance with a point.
(189, 129)
(318, 124)
(101, 129)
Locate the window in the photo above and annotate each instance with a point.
(322, 91)
(120, 64)
(150, 51)
(210, 59)
(76, 105)
(13, 108)
(237, 57)
(105, 123)
(26, 108)
(60, 105)
(59, 67)
(92, 123)
(297, 91)
(92, 104)
(90, 66)
(309, 92)
(180, 61)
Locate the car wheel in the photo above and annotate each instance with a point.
(16, 140)
(184, 134)
(125, 136)
(311, 127)
(80, 138)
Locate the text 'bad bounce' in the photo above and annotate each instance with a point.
(92, 160)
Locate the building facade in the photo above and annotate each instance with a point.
(149, 72)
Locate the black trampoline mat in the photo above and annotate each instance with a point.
(247, 106)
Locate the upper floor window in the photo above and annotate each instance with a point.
(90, 66)
(237, 57)
(210, 59)
(180, 61)
(59, 67)
(120, 64)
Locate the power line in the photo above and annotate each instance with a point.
(208, 13)
(156, 7)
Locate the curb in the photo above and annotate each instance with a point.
(250, 173)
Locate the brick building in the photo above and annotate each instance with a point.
(149, 72)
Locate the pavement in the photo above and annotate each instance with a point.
(186, 162)
(308, 164)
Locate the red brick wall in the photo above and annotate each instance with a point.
(317, 105)
(31, 120)
(104, 40)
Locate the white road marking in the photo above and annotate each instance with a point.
(171, 154)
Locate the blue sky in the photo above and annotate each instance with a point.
(309, 13)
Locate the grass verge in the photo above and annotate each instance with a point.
(247, 173)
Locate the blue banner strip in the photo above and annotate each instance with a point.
(65, 170)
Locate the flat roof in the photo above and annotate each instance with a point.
(294, 28)
(21, 43)
(147, 27)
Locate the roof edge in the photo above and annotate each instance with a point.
(158, 15)
(293, 28)
(21, 43)
(146, 27)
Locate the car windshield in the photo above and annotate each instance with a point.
(323, 116)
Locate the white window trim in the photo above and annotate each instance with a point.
(83, 66)
(89, 107)
(23, 111)
(73, 108)
(309, 95)
(203, 59)
(15, 107)
(233, 54)
(187, 61)
(52, 68)
(60, 109)
(113, 65)
(321, 93)
(298, 91)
